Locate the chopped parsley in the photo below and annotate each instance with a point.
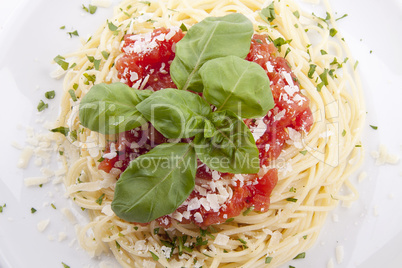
(112, 27)
(105, 54)
(311, 71)
(291, 199)
(154, 256)
(72, 94)
(300, 256)
(268, 13)
(62, 130)
(303, 152)
(90, 9)
(100, 199)
(2, 207)
(343, 133)
(74, 33)
(268, 259)
(60, 60)
(50, 95)
(53, 206)
(42, 106)
(247, 211)
(344, 16)
(65, 265)
(183, 27)
(374, 127)
(332, 32)
(33, 210)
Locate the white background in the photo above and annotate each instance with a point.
(370, 231)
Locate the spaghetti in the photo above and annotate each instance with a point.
(313, 168)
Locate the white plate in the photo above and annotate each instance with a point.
(370, 231)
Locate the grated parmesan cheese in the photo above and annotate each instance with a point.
(42, 225)
(25, 157)
(339, 251)
(35, 181)
(221, 240)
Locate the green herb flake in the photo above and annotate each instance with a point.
(297, 14)
(62, 130)
(183, 27)
(117, 245)
(90, 78)
(355, 66)
(374, 127)
(324, 77)
(268, 259)
(112, 27)
(33, 210)
(287, 52)
(311, 71)
(268, 13)
(248, 210)
(323, 52)
(90, 9)
(97, 64)
(156, 231)
(304, 237)
(290, 266)
(100, 199)
(358, 145)
(332, 32)
(53, 206)
(300, 256)
(292, 189)
(62, 27)
(154, 256)
(60, 60)
(65, 265)
(105, 54)
(291, 199)
(72, 94)
(73, 33)
(229, 220)
(343, 133)
(344, 16)
(73, 135)
(42, 106)
(2, 207)
(145, 3)
(50, 94)
(279, 42)
(304, 152)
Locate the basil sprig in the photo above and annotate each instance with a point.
(210, 60)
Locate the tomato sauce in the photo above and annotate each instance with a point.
(145, 65)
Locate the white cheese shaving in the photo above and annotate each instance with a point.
(383, 157)
(35, 181)
(198, 217)
(25, 157)
(69, 215)
(339, 253)
(107, 210)
(221, 240)
(42, 225)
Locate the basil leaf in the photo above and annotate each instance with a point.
(232, 149)
(211, 38)
(231, 83)
(110, 108)
(155, 184)
(175, 113)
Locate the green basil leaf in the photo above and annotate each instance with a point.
(231, 83)
(175, 113)
(232, 149)
(211, 38)
(155, 184)
(110, 108)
